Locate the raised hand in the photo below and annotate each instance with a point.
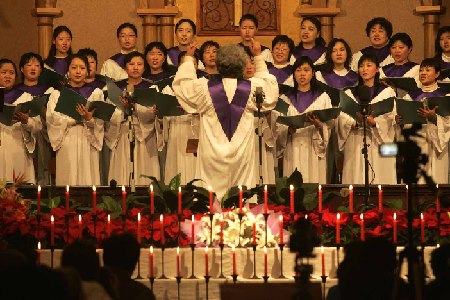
(255, 47)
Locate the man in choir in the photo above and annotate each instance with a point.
(114, 67)
(61, 49)
(311, 44)
(226, 151)
(248, 27)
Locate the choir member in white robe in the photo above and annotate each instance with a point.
(18, 141)
(226, 151)
(442, 46)
(31, 65)
(280, 66)
(61, 49)
(379, 31)
(145, 126)
(77, 144)
(437, 129)
(311, 43)
(305, 148)
(114, 67)
(248, 28)
(185, 33)
(156, 59)
(379, 130)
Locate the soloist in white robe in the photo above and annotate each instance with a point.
(305, 150)
(17, 144)
(350, 142)
(77, 145)
(224, 163)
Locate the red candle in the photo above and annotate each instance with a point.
(407, 191)
(350, 198)
(210, 200)
(281, 230)
(109, 225)
(180, 201)
(380, 199)
(94, 197)
(139, 228)
(80, 227)
(124, 201)
(221, 229)
(363, 235)
(240, 199)
(422, 229)
(338, 229)
(319, 196)
(39, 200)
(265, 261)
(254, 232)
(265, 199)
(161, 221)
(178, 261)
(151, 261)
(291, 198)
(395, 228)
(438, 202)
(233, 252)
(192, 230)
(38, 258)
(67, 199)
(152, 200)
(52, 231)
(206, 262)
(322, 250)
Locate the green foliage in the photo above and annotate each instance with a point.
(109, 203)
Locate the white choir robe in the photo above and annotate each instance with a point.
(413, 73)
(112, 70)
(77, 145)
(224, 163)
(145, 151)
(350, 141)
(305, 150)
(17, 144)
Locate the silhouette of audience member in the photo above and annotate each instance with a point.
(439, 288)
(120, 255)
(82, 256)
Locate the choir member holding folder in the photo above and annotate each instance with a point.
(380, 126)
(18, 129)
(75, 135)
(61, 49)
(305, 144)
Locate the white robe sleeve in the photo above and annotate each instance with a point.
(95, 131)
(384, 130)
(57, 124)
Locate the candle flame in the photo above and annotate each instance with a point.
(221, 217)
(322, 249)
(265, 187)
(350, 187)
(338, 216)
(240, 187)
(151, 187)
(67, 188)
(437, 185)
(438, 245)
(379, 187)
(421, 216)
(161, 218)
(39, 245)
(151, 249)
(109, 218)
(320, 187)
(94, 189)
(139, 216)
(123, 188)
(291, 187)
(265, 250)
(407, 187)
(361, 216)
(206, 249)
(192, 218)
(39, 188)
(209, 188)
(179, 189)
(178, 250)
(395, 216)
(280, 218)
(233, 249)
(306, 217)
(79, 218)
(52, 219)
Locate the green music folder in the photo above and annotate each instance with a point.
(51, 78)
(443, 104)
(408, 111)
(300, 121)
(382, 107)
(114, 94)
(166, 105)
(104, 110)
(348, 105)
(103, 78)
(404, 83)
(34, 107)
(445, 86)
(67, 103)
(7, 114)
(281, 106)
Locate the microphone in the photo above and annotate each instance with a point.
(364, 94)
(259, 95)
(129, 92)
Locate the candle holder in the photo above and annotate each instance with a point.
(178, 286)
(266, 217)
(234, 276)
(266, 278)
(94, 219)
(124, 220)
(207, 277)
(52, 253)
(152, 281)
(254, 262)
(211, 217)
(324, 281)
(192, 261)
(281, 261)
(221, 245)
(163, 276)
(179, 228)
(66, 217)
(350, 216)
(139, 266)
(240, 215)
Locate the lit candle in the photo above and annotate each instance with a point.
(124, 201)
(281, 230)
(192, 230)
(233, 252)
(67, 199)
(206, 262)
(151, 261)
(80, 225)
(38, 259)
(39, 200)
(350, 198)
(240, 199)
(338, 229)
(178, 261)
(380, 199)
(322, 250)
(438, 202)
(94, 197)
(395, 228)
(319, 197)
(265, 199)
(139, 228)
(265, 261)
(254, 232)
(363, 235)
(109, 225)
(221, 229)
(152, 200)
(180, 201)
(161, 221)
(422, 229)
(52, 231)
(291, 198)
(407, 191)
(210, 200)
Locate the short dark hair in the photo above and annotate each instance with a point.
(249, 17)
(431, 62)
(328, 66)
(159, 46)
(126, 25)
(383, 22)
(206, 45)
(315, 87)
(372, 58)
(281, 38)
(402, 37)
(437, 44)
(4, 61)
(80, 56)
(88, 52)
(319, 41)
(26, 57)
(56, 32)
(440, 261)
(132, 55)
(121, 251)
(194, 28)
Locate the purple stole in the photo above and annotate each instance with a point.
(229, 114)
(174, 52)
(380, 53)
(340, 82)
(302, 100)
(119, 58)
(85, 91)
(159, 76)
(122, 84)
(60, 65)
(374, 91)
(97, 83)
(34, 90)
(12, 95)
(247, 49)
(280, 74)
(392, 70)
(418, 95)
(445, 65)
(314, 53)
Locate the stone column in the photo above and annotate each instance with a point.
(430, 15)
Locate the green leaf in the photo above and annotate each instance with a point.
(175, 182)
(396, 204)
(281, 183)
(54, 202)
(109, 203)
(310, 201)
(295, 179)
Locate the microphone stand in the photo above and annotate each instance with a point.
(364, 111)
(131, 138)
(259, 98)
